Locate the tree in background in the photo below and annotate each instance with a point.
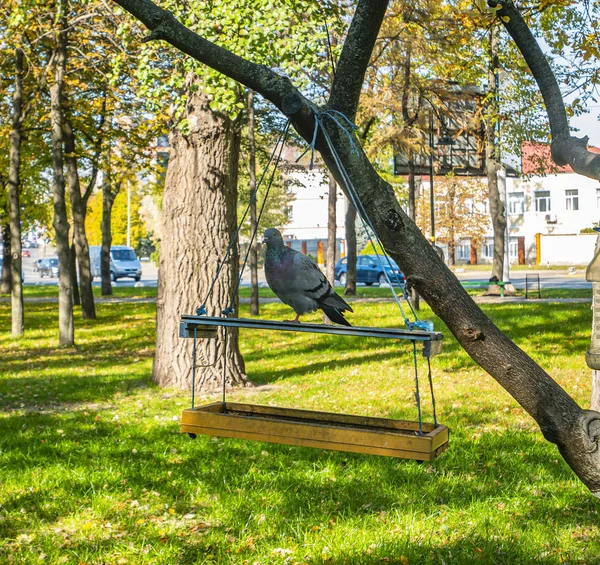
(460, 212)
(119, 212)
(20, 163)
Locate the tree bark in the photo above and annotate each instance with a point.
(73, 274)
(575, 431)
(330, 253)
(66, 331)
(109, 193)
(595, 345)
(497, 209)
(199, 217)
(254, 308)
(17, 313)
(78, 212)
(5, 274)
(594, 351)
(350, 228)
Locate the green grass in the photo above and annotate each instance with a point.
(51, 291)
(94, 470)
(376, 292)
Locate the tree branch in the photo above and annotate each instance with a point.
(566, 149)
(163, 25)
(355, 57)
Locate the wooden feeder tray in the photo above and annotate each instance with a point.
(323, 430)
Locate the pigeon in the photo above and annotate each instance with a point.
(298, 282)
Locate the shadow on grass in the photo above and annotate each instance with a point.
(72, 460)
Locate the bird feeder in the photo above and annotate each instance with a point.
(325, 430)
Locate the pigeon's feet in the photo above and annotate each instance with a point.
(296, 320)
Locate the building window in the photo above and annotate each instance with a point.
(516, 203)
(463, 252)
(487, 251)
(513, 249)
(598, 198)
(572, 196)
(542, 201)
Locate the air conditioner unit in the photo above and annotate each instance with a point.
(551, 219)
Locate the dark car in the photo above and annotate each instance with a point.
(370, 269)
(49, 267)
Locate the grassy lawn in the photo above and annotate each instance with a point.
(93, 469)
(376, 292)
(51, 291)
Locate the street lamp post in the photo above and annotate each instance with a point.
(431, 193)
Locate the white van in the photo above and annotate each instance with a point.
(123, 262)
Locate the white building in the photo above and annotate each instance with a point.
(546, 214)
(307, 229)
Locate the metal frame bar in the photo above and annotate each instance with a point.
(189, 323)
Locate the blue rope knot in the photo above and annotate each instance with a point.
(425, 325)
(331, 114)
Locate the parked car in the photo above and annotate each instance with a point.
(370, 269)
(123, 262)
(49, 267)
(25, 253)
(36, 265)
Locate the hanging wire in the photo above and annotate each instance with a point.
(430, 377)
(224, 367)
(354, 197)
(329, 49)
(360, 208)
(194, 368)
(195, 364)
(202, 309)
(352, 192)
(417, 395)
(230, 309)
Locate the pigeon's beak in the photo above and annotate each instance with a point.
(264, 240)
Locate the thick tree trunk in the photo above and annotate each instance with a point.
(66, 331)
(73, 274)
(593, 354)
(330, 253)
(595, 345)
(80, 242)
(199, 218)
(497, 210)
(108, 197)
(350, 228)
(17, 313)
(253, 216)
(5, 274)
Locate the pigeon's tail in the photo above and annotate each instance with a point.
(334, 314)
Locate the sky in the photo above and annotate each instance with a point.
(589, 125)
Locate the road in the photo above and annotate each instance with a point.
(149, 272)
(548, 278)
